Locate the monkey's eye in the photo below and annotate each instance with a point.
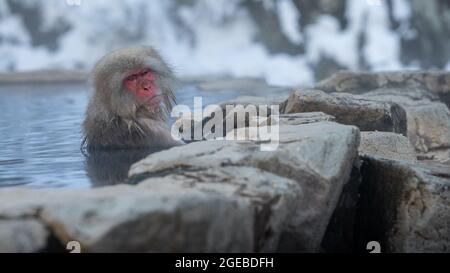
(145, 72)
(132, 78)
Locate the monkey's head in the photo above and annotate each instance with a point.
(132, 81)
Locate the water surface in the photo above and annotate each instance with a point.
(40, 136)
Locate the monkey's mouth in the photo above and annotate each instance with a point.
(154, 100)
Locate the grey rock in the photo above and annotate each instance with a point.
(429, 126)
(387, 145)
(318, 157)
(272, 198)
(299, 118)
(438, 155)
(428, 120)
(132, 219)
(405, 207)
(435, 82)
(22, 236)
(406, 96)
(244, 108)
(167, 220)
(291, 119)
(366, 114)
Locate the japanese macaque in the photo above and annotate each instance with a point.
(133, 96)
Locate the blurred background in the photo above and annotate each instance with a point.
(284, 41)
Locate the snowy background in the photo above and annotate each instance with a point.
(287, 42)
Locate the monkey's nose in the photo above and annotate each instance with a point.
(146, 85)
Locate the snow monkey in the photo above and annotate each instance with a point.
(133, 96)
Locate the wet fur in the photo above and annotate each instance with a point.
(114, 118)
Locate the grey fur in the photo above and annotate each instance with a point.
(114, 118)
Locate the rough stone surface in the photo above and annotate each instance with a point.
(406, 96)
(272, 199)
(429, 126)
(22, 236)
(428, 120)
(244, 108)
(405, 207)
(318, 157)
(436, 82)
(283, 119)
(367, 115)
(387, 145)
(301, 118)
(287, 119)
(264, 130)
(440, 156)
(132, 219)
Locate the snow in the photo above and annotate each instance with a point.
(326, 39)
(206, 37)
(402, 11)
(289, 18)
(382, 49)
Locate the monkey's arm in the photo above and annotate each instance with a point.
(161, 135)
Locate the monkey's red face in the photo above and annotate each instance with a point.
(141, 83)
